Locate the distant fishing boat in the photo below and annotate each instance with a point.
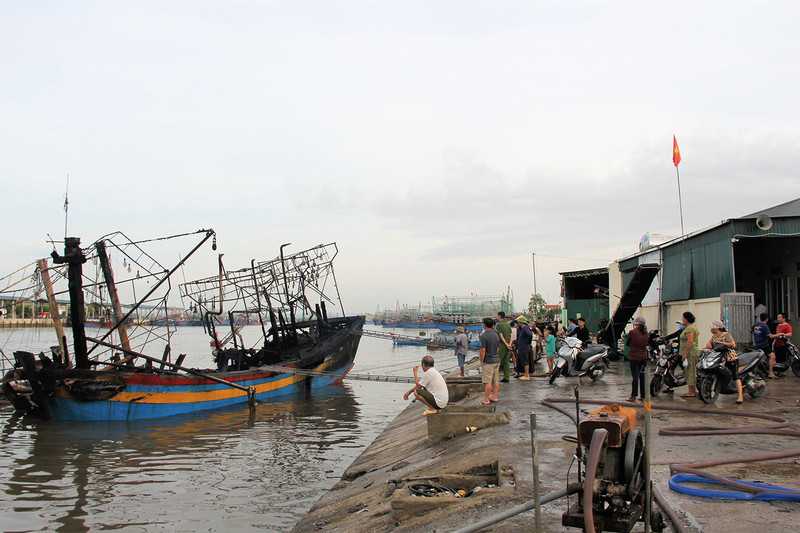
(100, 380)
(450, 321)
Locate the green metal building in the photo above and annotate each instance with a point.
(752, 260)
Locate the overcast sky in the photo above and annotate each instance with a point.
(438, 143)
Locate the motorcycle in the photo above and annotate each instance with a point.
(669, 369)
(573, 360)
(713, 377)
(792, 358)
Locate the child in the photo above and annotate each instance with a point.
(550, 347)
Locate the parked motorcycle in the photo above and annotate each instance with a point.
(713, 377)
(792, 358)
(669, 369)
(573, 360)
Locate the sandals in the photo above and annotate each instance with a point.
(430, 412)
(740, 401)
(484, 403)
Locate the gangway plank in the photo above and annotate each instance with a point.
(358, 377)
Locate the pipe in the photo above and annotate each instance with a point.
(592, 460)
(662, 502)
(572, 488)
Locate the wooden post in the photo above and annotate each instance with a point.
(74, 258)
(54, 312)
(108, 274)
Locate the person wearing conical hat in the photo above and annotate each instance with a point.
(462, 343)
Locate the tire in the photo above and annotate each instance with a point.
(755, 393)
(796, 367)
(597, 372)
(656, 384)
(554, 374)
(708, 388)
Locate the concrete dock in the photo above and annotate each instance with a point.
(374, 495)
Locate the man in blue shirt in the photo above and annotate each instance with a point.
(761, 333)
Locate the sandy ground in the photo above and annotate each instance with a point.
(361, 501)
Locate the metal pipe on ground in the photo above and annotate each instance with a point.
(572, 488)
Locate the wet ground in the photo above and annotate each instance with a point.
(362, 501)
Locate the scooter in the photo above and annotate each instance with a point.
(573, 360)
(669, 369)
(713, 377)
(792, 358)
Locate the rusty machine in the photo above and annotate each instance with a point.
(612, 496)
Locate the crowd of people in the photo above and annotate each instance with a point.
(509, 348)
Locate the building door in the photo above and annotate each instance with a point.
(779, 297)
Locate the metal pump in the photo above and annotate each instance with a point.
(612, 497)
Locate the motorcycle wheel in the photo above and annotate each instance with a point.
(597, 372)
(708, 388)
(796, 367)
(756, 392)
(656, 384)
(554, 374)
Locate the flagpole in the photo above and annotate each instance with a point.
(66, 208)
(680, 202)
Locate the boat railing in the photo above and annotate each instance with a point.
(6, 363)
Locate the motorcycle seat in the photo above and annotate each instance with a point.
(590, 351)
(748, 357)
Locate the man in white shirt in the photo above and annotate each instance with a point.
(431, 390)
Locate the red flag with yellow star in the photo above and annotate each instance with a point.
(676, 153)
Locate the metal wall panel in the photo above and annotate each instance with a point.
(737, 310)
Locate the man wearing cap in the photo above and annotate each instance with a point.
(462, 343)
(503, 330)
(524, 349)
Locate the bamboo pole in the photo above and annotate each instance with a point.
(108, 274)
(55, 314)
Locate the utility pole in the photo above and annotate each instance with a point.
(533, 260)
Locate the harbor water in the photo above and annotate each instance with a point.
(224, 470)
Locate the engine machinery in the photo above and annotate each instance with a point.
(612, 493)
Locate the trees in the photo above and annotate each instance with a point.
(537, 306)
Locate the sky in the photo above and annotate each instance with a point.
(439, 144)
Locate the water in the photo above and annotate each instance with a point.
(215, 471)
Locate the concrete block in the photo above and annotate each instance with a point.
(406, 505)
(454, 420)
(459, 387)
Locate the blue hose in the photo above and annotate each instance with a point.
(674, 484)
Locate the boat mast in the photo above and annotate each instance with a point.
(74, 258)
(108, 274)
(55, 315)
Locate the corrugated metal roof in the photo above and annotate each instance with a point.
(788, 209)
(784, 210)
(584, 273)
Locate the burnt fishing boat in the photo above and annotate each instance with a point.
(109, 377)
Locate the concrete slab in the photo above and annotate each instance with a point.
(362, 500)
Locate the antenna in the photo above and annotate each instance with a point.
(66, 208)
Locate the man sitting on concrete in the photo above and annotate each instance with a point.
(431, 390)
